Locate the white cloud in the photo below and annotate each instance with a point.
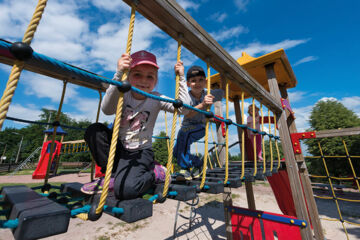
(327, 99)
(112, 37)
(186, 4)
(352, 103)
(219, 17)
(296, 96)
(305, 60)
(117, 6)
(27, 111)
(241, 4)
(302, 115)
(229, 33)
(45, 87)
(14, 18)
(255, 48)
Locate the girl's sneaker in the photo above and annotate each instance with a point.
(96, 186)
(160, 173)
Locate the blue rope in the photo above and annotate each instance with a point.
(97, 78)
(42, 123)
(156, 196)
(153, 198)
(114, 210)
(9, 223)
(84, 209)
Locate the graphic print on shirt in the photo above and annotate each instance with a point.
(135, 122)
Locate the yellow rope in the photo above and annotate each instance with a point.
(263, 139)
(210, 164)
(206, 131)
(82, 216)
(337, 220)
(242, 138)
(167, 140)
(19, 65)
(317, 176)
(227, 133)
(351, 165)
(196, 149)
(254, 137)
(327, 198)
(173, 127)
(348, 200)
(116, 127)
(270, 144)
(54, 133)
(215, 146)
(332, 189)
(331, 156)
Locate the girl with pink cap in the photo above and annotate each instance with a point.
(133, 171)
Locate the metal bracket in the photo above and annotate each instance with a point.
(295, 139)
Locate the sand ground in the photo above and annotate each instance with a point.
(209, 219)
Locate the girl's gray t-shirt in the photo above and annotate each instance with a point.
(139, 116)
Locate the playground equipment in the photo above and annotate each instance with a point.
(46, 158)
(170, 17)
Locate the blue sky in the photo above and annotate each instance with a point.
(320, 38)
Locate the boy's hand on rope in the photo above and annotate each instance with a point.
(208, 101)
(179, 68)
(124, 62)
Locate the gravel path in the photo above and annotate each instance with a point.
(208, 224)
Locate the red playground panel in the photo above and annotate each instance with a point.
(40, 171)
(258, 225)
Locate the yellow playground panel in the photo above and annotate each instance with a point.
(256, 68)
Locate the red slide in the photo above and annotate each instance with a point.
(41, 168)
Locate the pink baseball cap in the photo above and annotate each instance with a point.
(143, 57)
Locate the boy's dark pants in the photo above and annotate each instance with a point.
(186, 136)
(133, 171)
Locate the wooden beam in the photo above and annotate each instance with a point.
(50, 69)
(248, 185)
(169, 16)
(291, 165)
(304, 175)
(338, 132)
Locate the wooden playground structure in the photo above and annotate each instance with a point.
(264, 79)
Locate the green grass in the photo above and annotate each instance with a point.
(60, 171)
(30, 185)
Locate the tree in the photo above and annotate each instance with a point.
(333, 115)
(160, 149)
(33, 136)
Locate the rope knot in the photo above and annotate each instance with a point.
(21, 51)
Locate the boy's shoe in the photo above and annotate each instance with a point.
(160, 173)
(183, 175)
(97, 186)
(196, 173)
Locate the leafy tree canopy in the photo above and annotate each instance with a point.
(328, 115)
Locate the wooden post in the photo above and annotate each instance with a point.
(304, 175)
(227, 198)
(248, 185)
(291, 165)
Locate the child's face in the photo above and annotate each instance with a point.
(197, 84)
(250, 111)
(143, 77)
